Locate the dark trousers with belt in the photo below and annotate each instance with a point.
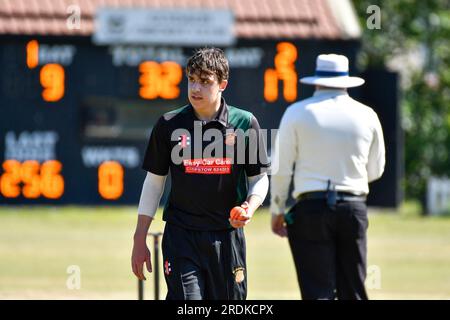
(328, 244)
(204, 265)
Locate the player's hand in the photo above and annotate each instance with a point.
(242, 218)
(140, 254)
(278, 225)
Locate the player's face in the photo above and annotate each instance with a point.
(204, 90)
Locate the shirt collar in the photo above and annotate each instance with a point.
(329, 92)
(221, 117)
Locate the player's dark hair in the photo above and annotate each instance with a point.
(207, 61)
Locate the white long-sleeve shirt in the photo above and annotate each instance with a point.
(329, 136)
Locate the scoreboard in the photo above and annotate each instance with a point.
(76, 117)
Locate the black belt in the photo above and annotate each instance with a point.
(322, 195)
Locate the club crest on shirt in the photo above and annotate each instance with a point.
(230, 139)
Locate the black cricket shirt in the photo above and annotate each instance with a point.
(205, 188)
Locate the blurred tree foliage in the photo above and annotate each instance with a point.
(423, 28)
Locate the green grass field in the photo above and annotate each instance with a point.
(409, 255)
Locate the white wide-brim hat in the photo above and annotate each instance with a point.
(332, 71)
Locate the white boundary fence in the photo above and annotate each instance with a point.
(438, 195)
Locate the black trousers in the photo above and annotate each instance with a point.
(204, 265)
(329, 248)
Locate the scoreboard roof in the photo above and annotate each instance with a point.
(255, 19)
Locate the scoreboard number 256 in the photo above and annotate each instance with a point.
(33, 180)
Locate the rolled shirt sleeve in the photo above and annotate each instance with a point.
(152, 191)
(258, 186)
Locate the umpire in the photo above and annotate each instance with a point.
(336, 144)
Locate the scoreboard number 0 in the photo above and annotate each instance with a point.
(110, 180)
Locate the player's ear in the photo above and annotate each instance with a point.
(223, 85)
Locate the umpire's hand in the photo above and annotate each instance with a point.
(141, 254)
(279, 225)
